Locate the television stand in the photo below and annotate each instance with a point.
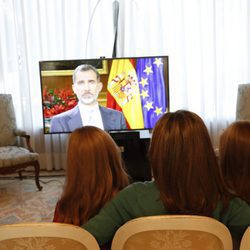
(134, 153)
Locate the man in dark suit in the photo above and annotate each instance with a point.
(87, 86)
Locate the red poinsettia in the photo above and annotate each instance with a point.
(56, 101)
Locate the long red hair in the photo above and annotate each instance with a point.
(184, 165)
(94, 175)
(235, 157)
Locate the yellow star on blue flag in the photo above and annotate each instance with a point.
(153, 94)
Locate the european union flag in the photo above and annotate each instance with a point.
(150, 73)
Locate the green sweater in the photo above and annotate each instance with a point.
(143, 199)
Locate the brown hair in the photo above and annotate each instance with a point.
(235, 157)
(94, 175)
(184, 165)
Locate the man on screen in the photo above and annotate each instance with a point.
(87, 86)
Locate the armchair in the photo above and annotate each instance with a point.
(14, 156)
(243, 102)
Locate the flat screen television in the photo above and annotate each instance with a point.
(138, 87)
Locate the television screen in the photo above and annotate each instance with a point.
(115, 94)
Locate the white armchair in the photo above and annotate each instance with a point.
(14, 157)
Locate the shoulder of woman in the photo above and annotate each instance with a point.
(140, 187)
(237, 203)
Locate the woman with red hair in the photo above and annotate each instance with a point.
(94, 175)
(235, 158)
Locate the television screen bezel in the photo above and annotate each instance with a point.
(66, 68)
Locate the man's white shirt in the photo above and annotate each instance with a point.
(91, 115)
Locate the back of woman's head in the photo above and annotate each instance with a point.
(94, 173)
(235, 157)
(184, 164)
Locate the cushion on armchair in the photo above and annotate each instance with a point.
(12, 155)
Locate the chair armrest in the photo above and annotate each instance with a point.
(19, 132)
(23, 134)
(27, 139)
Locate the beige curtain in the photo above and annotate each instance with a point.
(33, 31)
(208, 44)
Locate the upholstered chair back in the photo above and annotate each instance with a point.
(243, 102)
(7, 121)
(47, 236)
(245, 241)
(173, 232)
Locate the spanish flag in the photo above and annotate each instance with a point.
(123, 86)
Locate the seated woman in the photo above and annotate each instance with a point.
(94, 175)
(235, 158)
(187, 181)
